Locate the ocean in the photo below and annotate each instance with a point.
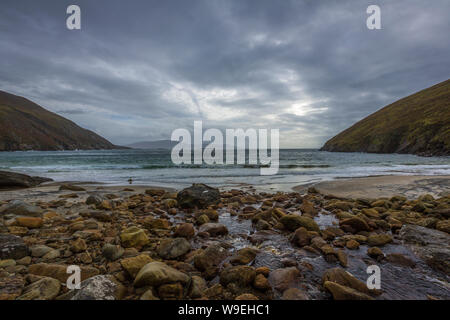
(154, 167)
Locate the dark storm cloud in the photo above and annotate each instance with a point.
(137, 70)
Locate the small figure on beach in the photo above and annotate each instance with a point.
(130, 181)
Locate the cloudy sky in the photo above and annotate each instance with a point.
(137, 70)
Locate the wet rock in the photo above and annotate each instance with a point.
(430, 245)
(185, 230)
(158, 273)
(352, 244)
(18, 207)
(261, 282)
(112, 252)
(378, 240)
(293, 222)
(198, 195)
(44, 289)
(59, 271)
(12, 247)
(262, 225)
(134, 264)
(357, 224)
(242, 276)
(400, 259)
(375, 252)
(344, 278)
(214, 229)
(101, 287)
(301, 237)
(244, 256)
(203, 219)
(341, 292)
(284, 278)
(294, 294)
(342, 258)
(133, 237)
(210, 258)
(173, 248)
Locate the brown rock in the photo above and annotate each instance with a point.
(282, 279)
(30, 222)
(185, 230)
(134, 264)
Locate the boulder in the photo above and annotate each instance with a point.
(294, 221)
(101, 287)
(112, 252)
(40, 250)
(59, 271)
(378, 240)
(43, 289)
(18, 180)
(133, 237)
(242, 276)
(244, 256)
(198, 287)
(211, 257)
(21, 208)
(214, 229)
(134, 264)
(12, 247)
(185, 230)
(173, 248)
(198, 195)
(30, 222)
(301, 237)
(344, 278)
(158, 273)
(284, 278)
(357, 224)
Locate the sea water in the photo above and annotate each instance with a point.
(154, 167)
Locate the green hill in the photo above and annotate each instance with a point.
(418, 124)
(24, 125)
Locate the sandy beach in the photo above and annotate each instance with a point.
(384, 186)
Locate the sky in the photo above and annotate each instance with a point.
(137, 70)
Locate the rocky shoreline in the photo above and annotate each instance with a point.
(202, 243)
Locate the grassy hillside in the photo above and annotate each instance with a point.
(418, 124)
(25, 125)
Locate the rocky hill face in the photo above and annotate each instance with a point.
(418, 124)
(24, 125)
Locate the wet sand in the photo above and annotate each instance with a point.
(384, 186)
